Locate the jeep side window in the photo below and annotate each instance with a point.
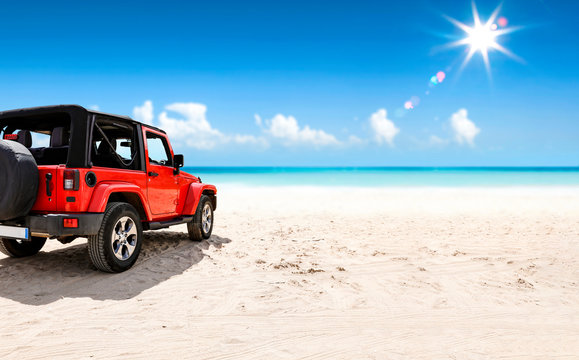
(114, 145)
(159, 153)
(40, 140)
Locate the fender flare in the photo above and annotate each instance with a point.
(194, 194)
(103, 191)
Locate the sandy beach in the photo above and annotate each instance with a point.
(318, 273)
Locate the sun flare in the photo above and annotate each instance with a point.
(482, 37)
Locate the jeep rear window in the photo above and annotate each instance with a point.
(46, 136)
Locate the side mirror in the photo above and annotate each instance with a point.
(178, 162)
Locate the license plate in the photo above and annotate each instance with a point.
(14, 232)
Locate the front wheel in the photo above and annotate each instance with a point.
(19, 248)
(117, 245)
(202, 224)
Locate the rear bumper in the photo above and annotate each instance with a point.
(52, 225)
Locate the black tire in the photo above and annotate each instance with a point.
(198, 228)
(18, 180)
(109, 253)
(17, 248)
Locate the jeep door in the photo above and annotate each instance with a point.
(162, 183)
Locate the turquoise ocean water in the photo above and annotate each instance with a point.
(388, 176)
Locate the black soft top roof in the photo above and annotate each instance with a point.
(77, 114)
(45, 117)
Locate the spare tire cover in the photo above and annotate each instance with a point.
(18, 180)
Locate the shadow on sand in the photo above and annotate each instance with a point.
(68, 273)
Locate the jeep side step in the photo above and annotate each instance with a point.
(156, 225)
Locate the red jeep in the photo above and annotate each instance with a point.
(68, 172)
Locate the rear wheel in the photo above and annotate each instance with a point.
(117, 245)
(202, 224)
(19, 248)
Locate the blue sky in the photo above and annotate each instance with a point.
(308, 83)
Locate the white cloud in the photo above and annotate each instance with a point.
(384, 128)
(144, 113)
(287, 129)
(192, 128)
(249, 140)
(94, 107)
(464, 129)
(258, 120)
(436, 141)
(354, 140)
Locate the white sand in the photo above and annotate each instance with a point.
(318, 273)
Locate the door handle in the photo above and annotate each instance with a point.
(48, 180)
(153, 174)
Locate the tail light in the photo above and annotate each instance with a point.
(71, 179)
(11, 137)
(70, 222)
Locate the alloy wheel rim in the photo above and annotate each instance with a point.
(124, 238)
(206, 218)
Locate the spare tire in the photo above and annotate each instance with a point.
(18, 180)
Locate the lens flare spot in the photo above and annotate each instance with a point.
(494, 27)
(399, 112)
(408, 105)
(503, 21)
(434, 80)
(440, 76)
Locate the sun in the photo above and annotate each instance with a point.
(482, 37)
